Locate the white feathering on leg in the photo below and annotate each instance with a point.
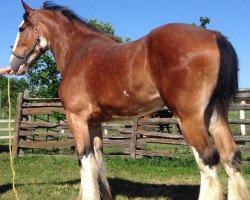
(210, 188)
(89, 179)
(237, 188)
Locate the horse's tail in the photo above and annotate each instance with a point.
(227, 84)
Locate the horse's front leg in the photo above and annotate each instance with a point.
(89, 189)
(96, 135)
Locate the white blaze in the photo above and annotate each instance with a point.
(16, 42)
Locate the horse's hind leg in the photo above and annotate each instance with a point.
(206, 155)
(230, 154)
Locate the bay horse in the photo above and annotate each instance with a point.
(191, 70)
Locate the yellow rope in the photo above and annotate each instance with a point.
(10, 150)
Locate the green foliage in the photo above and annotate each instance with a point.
(104, 27)
(44, 78)
(16, 86)
(58, 116)
(107, 28)
(128, 39)
(204, 21)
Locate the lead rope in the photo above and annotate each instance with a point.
(10, 150)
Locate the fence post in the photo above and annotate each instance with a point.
(242, 116)
(133, 138)
(15, 147)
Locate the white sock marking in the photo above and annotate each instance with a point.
(89, 178)
(210, 188)
(237, 188)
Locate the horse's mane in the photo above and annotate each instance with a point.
(72, 16)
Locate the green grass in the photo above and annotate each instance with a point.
(57, 177)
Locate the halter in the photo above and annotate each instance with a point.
(23, 58)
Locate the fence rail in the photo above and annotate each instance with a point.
(6, 137)
(38, 127)
(5, 121)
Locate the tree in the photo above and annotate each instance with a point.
(16, 86)
(107, 28)
(204, 21)
(43, 77)
(104, 27)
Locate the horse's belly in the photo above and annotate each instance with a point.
(137, 108)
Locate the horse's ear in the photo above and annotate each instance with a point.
(26, 7)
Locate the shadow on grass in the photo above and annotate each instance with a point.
(4, 148)
(5, 188)
(133, 190)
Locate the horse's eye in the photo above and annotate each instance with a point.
(21, 29)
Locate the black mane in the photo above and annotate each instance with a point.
(67, 12)
(72, 16)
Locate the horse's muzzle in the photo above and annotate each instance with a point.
(15, 63)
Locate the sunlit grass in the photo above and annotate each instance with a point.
(57, 177)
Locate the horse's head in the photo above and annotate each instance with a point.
(30, 43)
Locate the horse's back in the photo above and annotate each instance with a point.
(181, 39)
(175, 31)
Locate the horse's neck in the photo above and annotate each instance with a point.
(65, 46)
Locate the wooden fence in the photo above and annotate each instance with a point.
(39, 125)
(4, 129)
